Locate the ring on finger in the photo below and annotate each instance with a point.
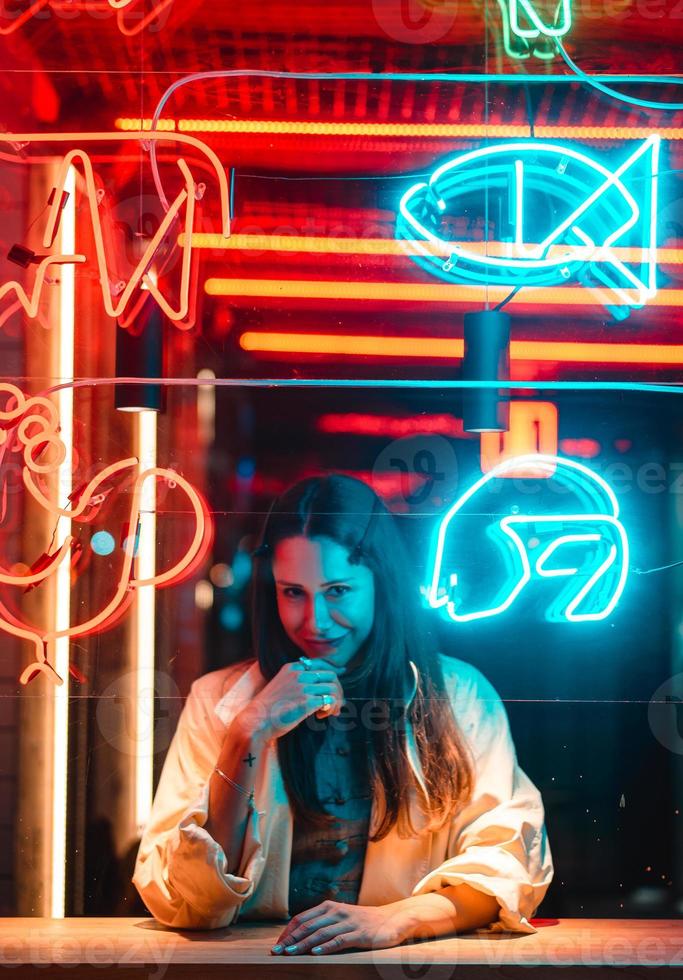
(326, 699)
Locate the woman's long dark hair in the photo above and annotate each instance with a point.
(349, 512)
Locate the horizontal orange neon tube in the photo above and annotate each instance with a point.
(416, 130)
(433, 348)
(132, 125)
(408, 292)
(383, 246)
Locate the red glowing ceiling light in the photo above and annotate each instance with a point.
(44, 99)
(392, 487)
(395, 427)
(116, 299)
(583, 448)
(441, 348)
(533, 429)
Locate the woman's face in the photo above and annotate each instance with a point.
(326, 605)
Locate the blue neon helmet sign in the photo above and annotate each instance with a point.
(535, 214)
(576, 540)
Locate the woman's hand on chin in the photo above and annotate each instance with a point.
(333, 927)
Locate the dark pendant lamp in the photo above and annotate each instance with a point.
(139, 354)
(487, 358)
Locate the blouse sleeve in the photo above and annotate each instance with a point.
(181, 871)
(497, 842)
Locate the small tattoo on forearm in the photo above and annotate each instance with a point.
(249, 759)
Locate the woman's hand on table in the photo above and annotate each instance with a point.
(333, 927)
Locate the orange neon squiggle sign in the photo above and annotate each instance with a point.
(142, 24)
(30, 12)
(118, 7)
(116, 300)
(31, 426)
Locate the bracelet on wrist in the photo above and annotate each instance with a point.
(231, 782)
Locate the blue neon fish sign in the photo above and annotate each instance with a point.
(539, 214)
(580, 542)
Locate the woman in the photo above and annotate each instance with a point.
(347, 779)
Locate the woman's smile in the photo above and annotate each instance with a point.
(326, 644)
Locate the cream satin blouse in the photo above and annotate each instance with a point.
(497, 843)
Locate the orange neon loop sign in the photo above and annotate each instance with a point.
(30, 426)
(117, 299)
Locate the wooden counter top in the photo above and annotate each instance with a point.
(137, 948)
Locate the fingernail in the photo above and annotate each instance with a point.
(317, 949)
(276, 949)
(290, 949)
